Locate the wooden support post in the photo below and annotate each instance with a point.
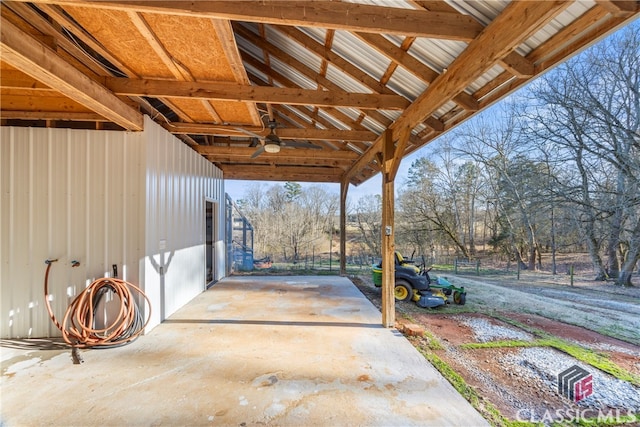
(388, 236)
(344, 187)
(393, 147)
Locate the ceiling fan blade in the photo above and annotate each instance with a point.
(259, 151)
(248, 132)
(254, 142)
(300, 144)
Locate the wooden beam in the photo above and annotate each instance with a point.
(228, 41)
(620, 8)
(28, 55)
(323, 14)
(337, 114)
(296, 153)
(333, 58)
(412, 65)
(14, 79)
(269, 95)
(370, 155)
(518, 65)
(402, 136)
(52, 115)
(285, 133)
(280, 173)
(313, 115)
(388, 234)
(435, 124)
(514, 25)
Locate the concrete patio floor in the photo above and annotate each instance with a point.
(296, 351)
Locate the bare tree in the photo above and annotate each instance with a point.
(368, 215)
(590, 110)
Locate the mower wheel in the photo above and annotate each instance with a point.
(402, 291)
(459, 297)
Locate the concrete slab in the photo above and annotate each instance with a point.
(300, 351)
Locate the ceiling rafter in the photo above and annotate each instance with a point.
(343, 156)
(338, 115)
(269, 95)
(28, 55)
(283, 133)
(508, 30)
(180, 71)
(331, 15)
(277, 40)
(249, 171)
(403, 58)
(72, 30)
(333, 58)
(300, 67)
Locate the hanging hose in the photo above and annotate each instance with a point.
(78, 326)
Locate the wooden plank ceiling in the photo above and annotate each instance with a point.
(329, 76)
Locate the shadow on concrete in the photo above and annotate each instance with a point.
(275, 323)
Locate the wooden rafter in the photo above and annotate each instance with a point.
(331, 15)
(280, 173)
(32, 57)
(286, 133)
(508, 30)
(269, 95)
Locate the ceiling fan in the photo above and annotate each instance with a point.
(272, 143)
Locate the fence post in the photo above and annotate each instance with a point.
(477, 267)
(455, 265)
(571, 274)
(518, 262)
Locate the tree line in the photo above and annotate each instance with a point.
(552, 169)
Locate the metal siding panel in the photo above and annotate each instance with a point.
(5, 200)
(100, 197)
(180, 179)
(65, 201)
(20, 271)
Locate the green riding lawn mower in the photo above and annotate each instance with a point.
(412, 282)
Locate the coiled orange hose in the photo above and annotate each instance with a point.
(78, 324)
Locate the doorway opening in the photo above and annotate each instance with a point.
(210, 233)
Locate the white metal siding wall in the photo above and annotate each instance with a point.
(71, 195)
(178, 182)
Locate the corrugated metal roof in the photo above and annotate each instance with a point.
(293, 48)
(334, 121)
(482, 11)
(574, 10)
(373, 125)
(434, 53)
(345, 81)
(406, 84)
(292, 74)
(360, 54)
(318, 34)
(437, 54)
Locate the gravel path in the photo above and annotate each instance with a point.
(547, 363)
